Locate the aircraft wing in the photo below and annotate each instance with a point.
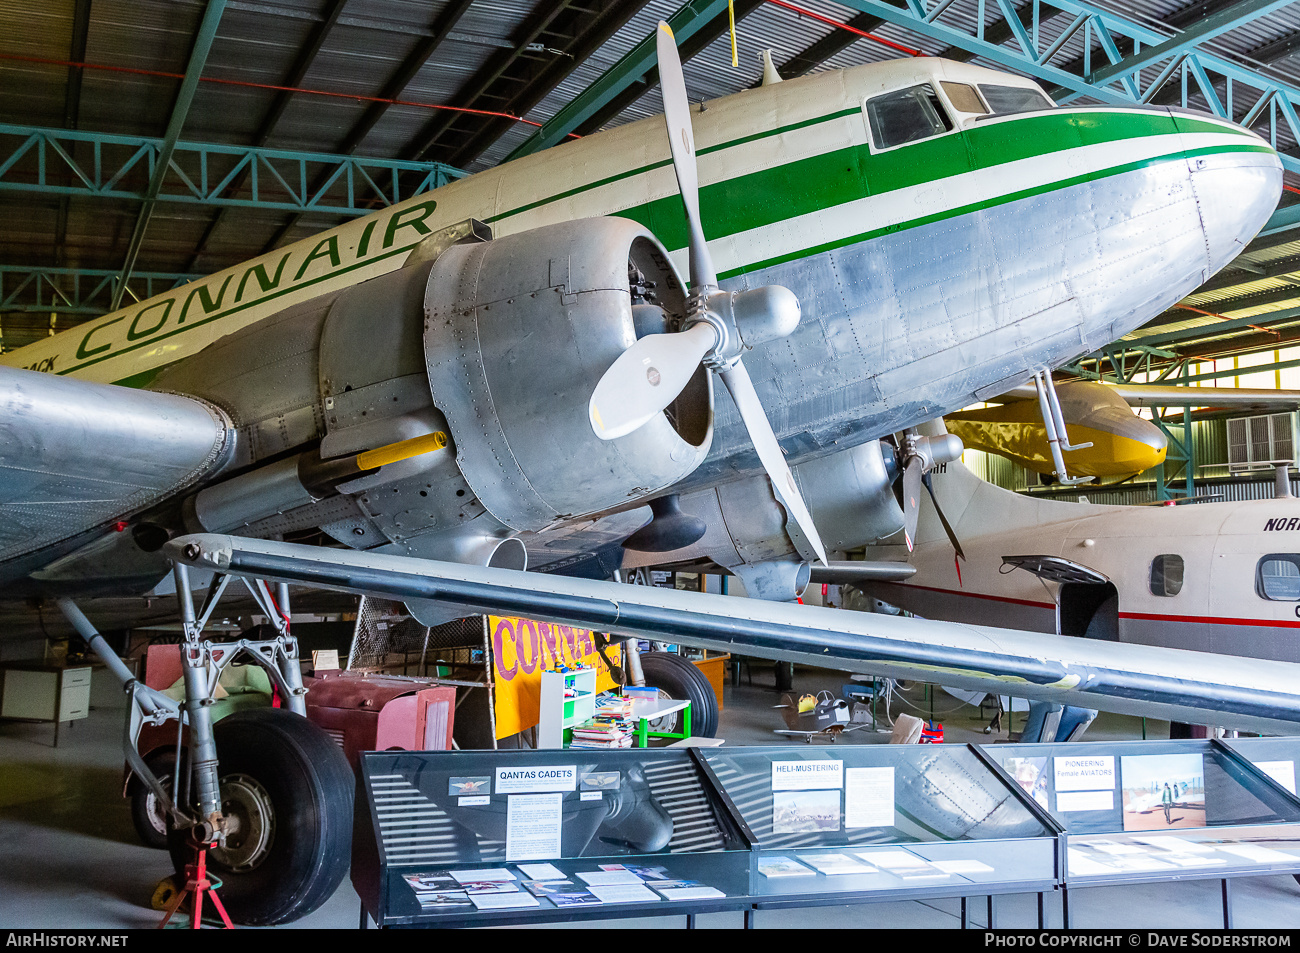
(1192, 687)
(1172, 395)
(76, 455)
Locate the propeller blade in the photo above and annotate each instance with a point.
(947, 528)
(769, 453)
(681, 140)
(646, 378)
(911, 499)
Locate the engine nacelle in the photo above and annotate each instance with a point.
(850, 496)
(848, 493)
(486, 354)
(518, 331)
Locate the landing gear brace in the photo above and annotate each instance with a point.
(208, 826)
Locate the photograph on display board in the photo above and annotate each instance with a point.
(1163, 791)
(798, 812)
(1029, 774)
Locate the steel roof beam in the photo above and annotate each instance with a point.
(397, 82)
(297, 72)
(198, 59)
(75, 290)
(1254, 300)
(72, 107)
(1225, 21)
(511, 83)
(1211, 330)
(1031, 61)
(1227, 280)
(637, 63)
(41, 161)
(687, 49)
(1283, 220)
(406, 71)
(478, 84)
(834, 43)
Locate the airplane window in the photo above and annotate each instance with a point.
(906, 115)
(964, 98)
(1013, 99)
(1166, 575)
(1278, 577)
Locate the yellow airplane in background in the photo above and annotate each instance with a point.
(1113, 442)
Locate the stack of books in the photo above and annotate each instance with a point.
(611, 726)
(602, 732)
(613, 706)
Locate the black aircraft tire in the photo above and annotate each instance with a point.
(683, 681)
(149, 819)
(298, 779)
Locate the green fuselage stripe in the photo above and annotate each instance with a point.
(991, 203)
(805, 186)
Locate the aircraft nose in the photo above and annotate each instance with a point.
(1236, 192)
(1133, 443)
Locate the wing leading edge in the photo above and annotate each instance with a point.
(75, 455)
(1193, 687)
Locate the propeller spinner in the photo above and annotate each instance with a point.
(719, 326)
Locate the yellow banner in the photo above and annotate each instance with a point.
(522, 649)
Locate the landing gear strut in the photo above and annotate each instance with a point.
(265, 801)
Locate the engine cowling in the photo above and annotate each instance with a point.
(849, 494)
(518, 332)
(492, 348)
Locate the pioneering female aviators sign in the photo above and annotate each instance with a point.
(521, 650)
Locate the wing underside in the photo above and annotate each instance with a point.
(1192, 687)
(76, 455)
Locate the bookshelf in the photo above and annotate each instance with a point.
(557, 712)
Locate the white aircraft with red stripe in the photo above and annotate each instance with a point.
(1211, 577)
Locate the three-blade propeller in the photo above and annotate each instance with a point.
(650, 374)
(919, 457)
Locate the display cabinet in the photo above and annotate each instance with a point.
(1276, 757)
(45, 693)
(841, 824)
(479, 837)
(1150, 811)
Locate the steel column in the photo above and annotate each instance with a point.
(198, 59)
(684, 23)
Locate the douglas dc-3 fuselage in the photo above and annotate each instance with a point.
(945, 229)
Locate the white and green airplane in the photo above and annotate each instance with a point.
(509, 372)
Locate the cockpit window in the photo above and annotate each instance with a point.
(1013, 99)
(964, 98)
(906, 115)
(1167, 575)
(1277, 577)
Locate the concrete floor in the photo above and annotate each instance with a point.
(69, 857)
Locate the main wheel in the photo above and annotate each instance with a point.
(150, 820)
(286, 790)
(678, 679)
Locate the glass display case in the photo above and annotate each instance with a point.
(452, 838)
(1145, 811)
(1276, 757)
(838, 824)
